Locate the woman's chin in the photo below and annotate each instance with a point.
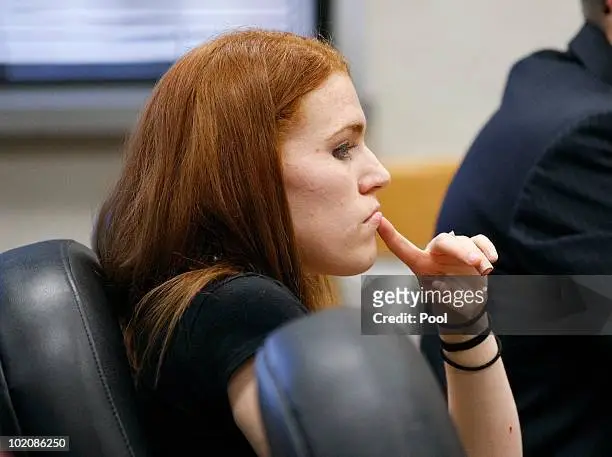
(357, 264)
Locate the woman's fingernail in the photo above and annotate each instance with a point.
(487, 271)
(452, 232)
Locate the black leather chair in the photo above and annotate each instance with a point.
(63, 368)
(325, 390)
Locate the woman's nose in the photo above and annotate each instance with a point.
(376, 177)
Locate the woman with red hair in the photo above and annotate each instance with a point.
(247, 183)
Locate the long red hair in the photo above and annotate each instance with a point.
(201, 193)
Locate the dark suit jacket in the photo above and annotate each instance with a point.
(537, 181)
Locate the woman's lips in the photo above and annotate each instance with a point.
(375, 218)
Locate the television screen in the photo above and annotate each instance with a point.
(56, 41)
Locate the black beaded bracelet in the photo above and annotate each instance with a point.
(469, 344)
(478, 368)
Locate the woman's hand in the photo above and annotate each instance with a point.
(445, 255)
(463, 262)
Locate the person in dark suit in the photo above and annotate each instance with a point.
(537, 181)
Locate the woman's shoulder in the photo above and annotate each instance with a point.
(247, 282)
(230, 319)
(248, 290)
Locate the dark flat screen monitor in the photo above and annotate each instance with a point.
(51, 42)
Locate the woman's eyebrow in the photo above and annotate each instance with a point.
(356, 127)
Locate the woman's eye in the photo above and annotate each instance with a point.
(343, 151)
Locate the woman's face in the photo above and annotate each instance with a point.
(331, 179)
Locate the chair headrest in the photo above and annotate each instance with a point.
(63, 367)
(327, 390)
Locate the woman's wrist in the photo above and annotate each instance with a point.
(462, 334)
(455, 338)
(466, 327)
(473, 348)
(476, 357)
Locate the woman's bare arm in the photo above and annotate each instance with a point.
(244, 400)
(481, 403)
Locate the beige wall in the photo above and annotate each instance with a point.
(432, 71)
(435, 69)
(50, 188)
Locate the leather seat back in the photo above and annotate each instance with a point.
(326, 390)
(63, 368)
